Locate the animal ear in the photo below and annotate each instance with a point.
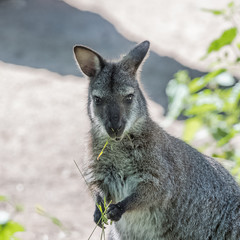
(134, 58)
(90, 62)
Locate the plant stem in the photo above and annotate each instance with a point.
(102, 150)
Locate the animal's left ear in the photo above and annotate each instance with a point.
(134, 58)
(89, 61)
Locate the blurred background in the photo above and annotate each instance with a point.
(43, 120)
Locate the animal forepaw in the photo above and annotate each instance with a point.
(114, 212)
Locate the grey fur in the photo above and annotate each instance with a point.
(160, 187)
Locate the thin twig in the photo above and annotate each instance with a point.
(81, 173)
(93, 231)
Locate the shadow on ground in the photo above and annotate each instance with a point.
(42, 33)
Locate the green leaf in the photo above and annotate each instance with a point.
(19, 208)
(178, 99)
(105, 202)
(100, 208)
(3, 198)
(225, 39)
(15, 227)
(192, 125)
(214, 11)
(220, 133)
(182, 77)
(228, 155)
(231, 5)
(200, 109)
(40, 210)
(226, 138)
(8, 230)
(56, 221)
(177, 92)
(199, 83)
(104, 219)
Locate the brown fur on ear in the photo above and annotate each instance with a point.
(90, 62)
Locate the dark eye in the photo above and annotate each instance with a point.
(129, 98)
(97, 100)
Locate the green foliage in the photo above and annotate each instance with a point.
(8, 230)
(3, 198)
(41, 211)
(104, 220)
(225, 39)
(212, 102)
(8, 227)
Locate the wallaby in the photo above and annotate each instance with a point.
(160, 187)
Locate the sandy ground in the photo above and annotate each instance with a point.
(43, 120)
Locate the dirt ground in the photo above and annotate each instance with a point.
(43, 119)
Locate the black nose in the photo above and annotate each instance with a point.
(115, 122)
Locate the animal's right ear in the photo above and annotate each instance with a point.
(90, 62)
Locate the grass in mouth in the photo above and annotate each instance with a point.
(100, 154)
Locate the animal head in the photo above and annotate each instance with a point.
(115, 102)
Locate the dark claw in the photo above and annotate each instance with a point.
(114, 212)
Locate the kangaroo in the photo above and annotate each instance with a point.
(159, 186)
